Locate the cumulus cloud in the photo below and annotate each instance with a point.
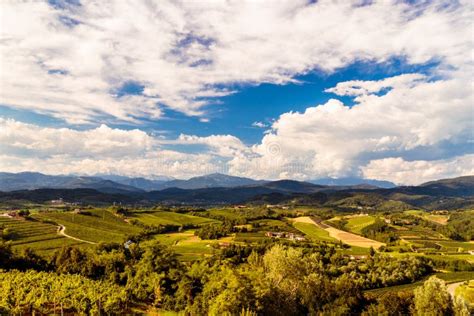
(337, 140)
(28, 147)
(75, 62)
(401, 171)
(222, 145)
(69, 61)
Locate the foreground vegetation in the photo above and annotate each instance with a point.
(245, 260)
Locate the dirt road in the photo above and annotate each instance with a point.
(62, 231)
(346, 237)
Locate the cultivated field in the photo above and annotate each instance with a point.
(188, 246)
(41, 237)
(311, 230)
(170, 218)
(439, 219)
(356, 224)
(99, 226)
(353, 239)
(337, 234)
(450, 277)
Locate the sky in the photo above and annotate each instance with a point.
(262, 89)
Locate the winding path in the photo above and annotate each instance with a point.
(62, 229)
(453, 286)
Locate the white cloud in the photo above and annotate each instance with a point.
(71, 63)
(360, 88)
(222, 145)
(27, 147)
(285, 153)
(401, 171)
(336, 140)
(68, 62)
(259, 124)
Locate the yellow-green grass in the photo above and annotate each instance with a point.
(170, 218)
(440, 219)
(358, 223)
(272, 225)
(419, 233)
(41, 237)
(450, 277)
(188, 246)
(226, 213)
(314, 232)
(100, 226)
(466, 291)
(173, 238)
(250, 237)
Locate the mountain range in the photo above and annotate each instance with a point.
(216, 189)
(120, 184)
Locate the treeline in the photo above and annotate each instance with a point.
(460, 226)
(380, 231)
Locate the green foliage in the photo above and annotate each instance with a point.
(433, 298)
(391, 303)
(214, 231)
(460, 226)
(48, 293)
(379, 231)
(261, 277)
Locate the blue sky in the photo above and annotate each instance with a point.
(295, 89)
(234, 114)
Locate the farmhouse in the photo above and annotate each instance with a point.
(290, 236)
(58, 201)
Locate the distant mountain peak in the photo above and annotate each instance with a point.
(354, 181)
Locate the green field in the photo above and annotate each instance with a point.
(356, 224)
(314, 232)
(187, 246)
(41, 237)
(226, 213)
(451, 277)
(456, 244)
(100, 226)
(170, 218)
(265, 225)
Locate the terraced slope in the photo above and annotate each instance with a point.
(357, 223)
(99, 226)
(41, 237)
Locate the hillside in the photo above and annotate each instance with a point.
(215, 180)
(33, 180)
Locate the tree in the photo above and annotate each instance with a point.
(460, 307)
(432, 298)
